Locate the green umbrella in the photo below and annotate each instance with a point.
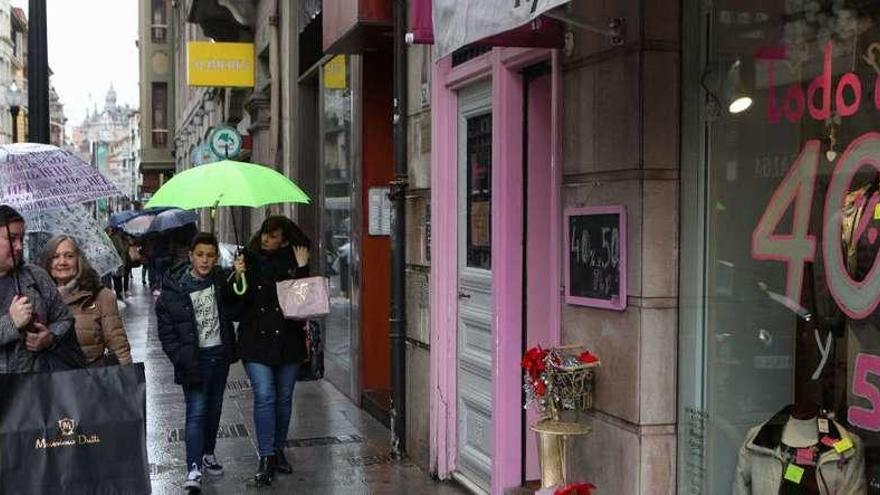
(227, 183)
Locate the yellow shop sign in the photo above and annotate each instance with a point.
(220, 64)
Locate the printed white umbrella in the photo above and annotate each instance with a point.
(37, 177)
(77, 222)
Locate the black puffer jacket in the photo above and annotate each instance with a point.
(177, 323)
(265, 335)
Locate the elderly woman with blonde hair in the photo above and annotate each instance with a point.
(99, 328)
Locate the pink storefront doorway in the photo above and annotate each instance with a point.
(524, 302)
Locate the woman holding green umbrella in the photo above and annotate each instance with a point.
(271, 346)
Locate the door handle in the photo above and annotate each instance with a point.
(464, 295)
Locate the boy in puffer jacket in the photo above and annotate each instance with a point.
(195, 328)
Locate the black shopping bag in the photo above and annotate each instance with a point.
(74, 432)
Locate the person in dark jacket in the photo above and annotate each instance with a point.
(34, 321)
(122, 275)
(271, 346)
(195, 328)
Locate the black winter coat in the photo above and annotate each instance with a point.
(177, 323)
(265, 335)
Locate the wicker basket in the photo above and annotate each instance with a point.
(569, 389)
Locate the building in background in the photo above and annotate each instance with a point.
(13, 82)
(156, 46)
(105, 140)
(13, 73)
(57, 120)
(133, 158)
(7, 53)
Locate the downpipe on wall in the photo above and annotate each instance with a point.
(398, 236)
(274, 87)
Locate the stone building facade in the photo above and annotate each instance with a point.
(105, 139)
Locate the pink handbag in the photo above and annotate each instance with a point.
(304, 298)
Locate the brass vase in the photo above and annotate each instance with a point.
(553, 446)
(551, 452)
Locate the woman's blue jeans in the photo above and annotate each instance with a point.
(273, 403)
(204, 404)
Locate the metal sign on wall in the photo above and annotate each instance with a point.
(380, 211)
(212, 64)
(461, 22)
(225, 141)
(335, 76)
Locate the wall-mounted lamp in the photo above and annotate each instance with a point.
(737, 96)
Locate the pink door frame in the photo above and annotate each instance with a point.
(502, 66)
(538, 278)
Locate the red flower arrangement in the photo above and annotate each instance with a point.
(576, 489)
(534, 366)
(588, 357)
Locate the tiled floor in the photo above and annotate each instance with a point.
(335, 447)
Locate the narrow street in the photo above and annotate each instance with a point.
(334, 446)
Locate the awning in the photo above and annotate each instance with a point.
(452, 24)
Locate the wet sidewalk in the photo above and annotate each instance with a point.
(334, 446)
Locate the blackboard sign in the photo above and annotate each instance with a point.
(595, 258)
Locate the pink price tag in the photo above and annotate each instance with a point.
(828, 441)
(804, 457)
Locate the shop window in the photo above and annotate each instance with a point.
(479, 191)
(18, 46)
(468, 52)
(159, 103)
(339, 240)
(780, 351)
(159, 17)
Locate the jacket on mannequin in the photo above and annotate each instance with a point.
(763, 459)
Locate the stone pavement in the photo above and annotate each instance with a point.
(334, 446)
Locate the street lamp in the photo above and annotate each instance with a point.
(14, 100)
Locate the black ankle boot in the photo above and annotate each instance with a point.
(264, 470)
(281, 464)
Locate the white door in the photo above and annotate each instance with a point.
(474, 363)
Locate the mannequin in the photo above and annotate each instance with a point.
(794, 453)
(800, 433)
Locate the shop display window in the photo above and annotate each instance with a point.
(336, 130)
(479, 188)
(780, 327)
